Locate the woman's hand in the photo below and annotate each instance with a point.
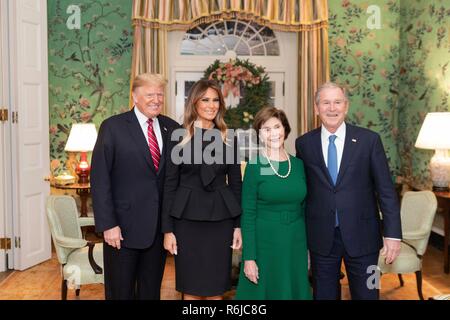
(170, 243)
(251, 271)
(237, 239)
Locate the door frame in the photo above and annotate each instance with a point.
(6, 216)
(17, 77)
(285, 63)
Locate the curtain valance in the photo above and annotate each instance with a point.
(281, 15)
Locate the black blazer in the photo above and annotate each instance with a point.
(126, 189)
(364, 185)
(202, 192)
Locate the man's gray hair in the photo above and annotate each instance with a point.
(329, 85)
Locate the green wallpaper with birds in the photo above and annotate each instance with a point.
(89, 45)
(424, 78)
(395, 71)
(393, 55)
(364, 57)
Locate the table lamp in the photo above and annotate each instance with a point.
(435, 134)
(82, 139)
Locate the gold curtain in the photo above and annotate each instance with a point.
(282, 15)
(313, 70)
(152, 19)
(149, 54)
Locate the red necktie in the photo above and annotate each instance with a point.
(153, 144)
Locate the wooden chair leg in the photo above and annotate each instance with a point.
(419, 284)
(64, 290)
(402, 283)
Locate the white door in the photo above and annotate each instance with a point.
(2, 176)
(183, 84)
(3, 129)
(28, 42)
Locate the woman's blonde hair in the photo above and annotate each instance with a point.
(145, 79)
(198, 90)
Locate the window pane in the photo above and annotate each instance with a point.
(230, 27)
(241, 27)
(218, 49)
(272, 93)
(187, 47)
(272, 48)
(187, 88)
(258, 51)
(230, 41)
(242, 49)
(219, 37)
(220, 27)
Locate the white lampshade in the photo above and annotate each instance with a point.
(435, 131)
(82, 137)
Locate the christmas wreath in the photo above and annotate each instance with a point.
(246, 82)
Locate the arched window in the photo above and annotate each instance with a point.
(235, 37)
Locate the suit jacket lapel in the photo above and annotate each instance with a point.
(165, 139)
(349, 150)
(317, 146)
(136, 133)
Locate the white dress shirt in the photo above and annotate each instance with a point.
(339, 142)
(144, 126)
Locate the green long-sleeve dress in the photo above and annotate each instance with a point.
(273, 232)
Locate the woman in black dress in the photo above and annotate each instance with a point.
(202, 196)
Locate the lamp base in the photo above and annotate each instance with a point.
(440, 170)
(83, 169)
(441, 189)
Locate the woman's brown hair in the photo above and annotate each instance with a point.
(198, 90)
(271, 112)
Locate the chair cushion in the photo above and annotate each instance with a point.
(78, 270)
(406, 262)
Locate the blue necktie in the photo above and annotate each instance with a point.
(332, 164)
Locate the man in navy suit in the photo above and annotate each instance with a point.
(127, 176)
(349, 183)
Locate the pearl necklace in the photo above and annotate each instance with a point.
(273, 169)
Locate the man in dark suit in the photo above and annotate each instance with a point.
(348, 183)
(127, 176)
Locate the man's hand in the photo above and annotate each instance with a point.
(390, 250)
(237, 239)
(251, 271)
(113, 237)
(170, 243)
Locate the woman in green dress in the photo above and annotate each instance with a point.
(274, 254)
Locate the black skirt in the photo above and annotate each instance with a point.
(203, 262)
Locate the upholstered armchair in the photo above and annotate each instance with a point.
(80, 262)
(417, 212)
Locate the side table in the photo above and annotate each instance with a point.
(444, 203)
(82, 189)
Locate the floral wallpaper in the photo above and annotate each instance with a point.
(366, 61)
(89, 65)
(396, 72)
(393, 55)
(424, 78)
